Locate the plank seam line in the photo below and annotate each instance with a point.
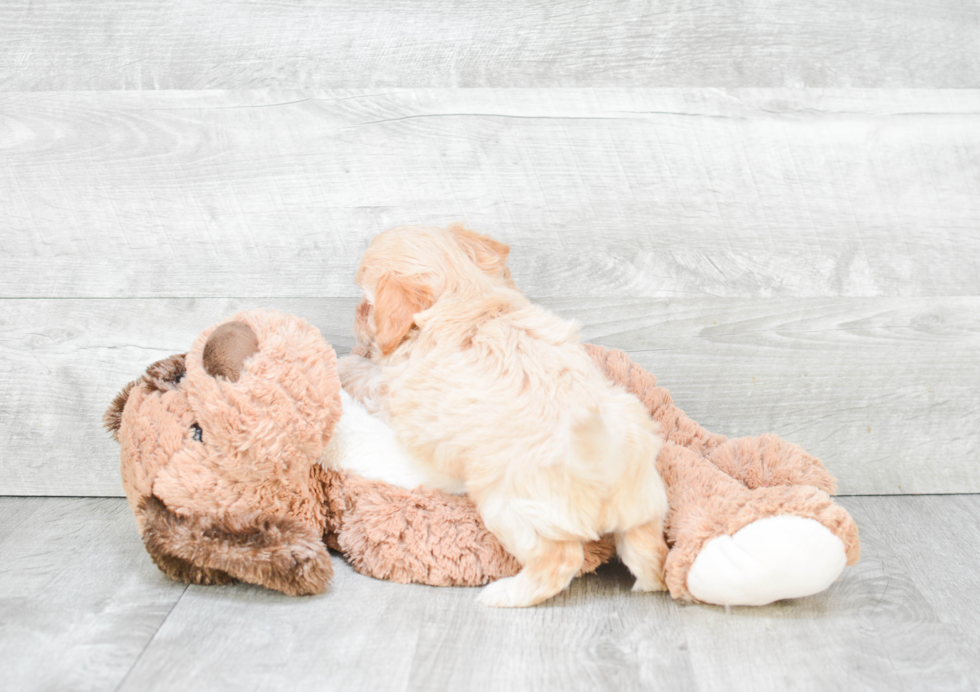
(415, 650)
(261, 105)
(150, 640)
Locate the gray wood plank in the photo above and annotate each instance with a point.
(14, 512)
(884, 390)
(613, 192)
(79, 598)
(596, 636)
(196, 44)
(942, 561)
(82, 607)
(905, 618)
(375, 635)
(360, 635)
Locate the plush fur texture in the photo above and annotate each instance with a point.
(422, 535)
(489, 389)
(228, 348)
(717, 486)
(218, 469)
(279, 552)
(228, 508)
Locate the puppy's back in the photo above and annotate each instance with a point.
(514, 398)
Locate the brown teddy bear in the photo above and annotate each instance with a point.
(238, 460)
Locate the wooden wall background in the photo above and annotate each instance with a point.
(773, 207)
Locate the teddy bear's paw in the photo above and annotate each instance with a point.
(308, 573)
(769, 560)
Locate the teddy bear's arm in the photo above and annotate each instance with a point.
(279, 553)
(757, 462)
(423, 536)
(768, 460)
(674, 423)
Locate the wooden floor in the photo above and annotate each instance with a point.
(82, 607)
(774, 207)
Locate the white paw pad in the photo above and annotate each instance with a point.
(769, 560)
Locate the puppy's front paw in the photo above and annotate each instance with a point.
(505, 593)
(350, 367)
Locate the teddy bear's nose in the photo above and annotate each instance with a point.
(198, 433)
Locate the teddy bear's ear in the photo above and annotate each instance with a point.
(227, 349)
(112, 418)
(278, 553)
(163, 375)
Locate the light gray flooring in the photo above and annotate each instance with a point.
(82, 607)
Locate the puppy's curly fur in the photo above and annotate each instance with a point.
(487, 388)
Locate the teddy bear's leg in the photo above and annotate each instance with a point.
(768, 460)
(756, 461)
(735, 546)
(675, 426)
(768, 560)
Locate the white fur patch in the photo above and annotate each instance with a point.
(768, 560)
(367, 446)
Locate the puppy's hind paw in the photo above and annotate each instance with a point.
(506, 593)
(649, 585)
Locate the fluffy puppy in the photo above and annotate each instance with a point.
(486, 388)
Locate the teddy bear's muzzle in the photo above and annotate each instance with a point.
(279, 553)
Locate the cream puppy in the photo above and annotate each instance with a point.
(365, 445)
(491, 390)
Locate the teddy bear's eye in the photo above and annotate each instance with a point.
(198, 433)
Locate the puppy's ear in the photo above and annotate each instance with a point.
(362, 330)
(396, 300)
(488, 254)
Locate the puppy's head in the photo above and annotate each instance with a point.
(407, 269)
